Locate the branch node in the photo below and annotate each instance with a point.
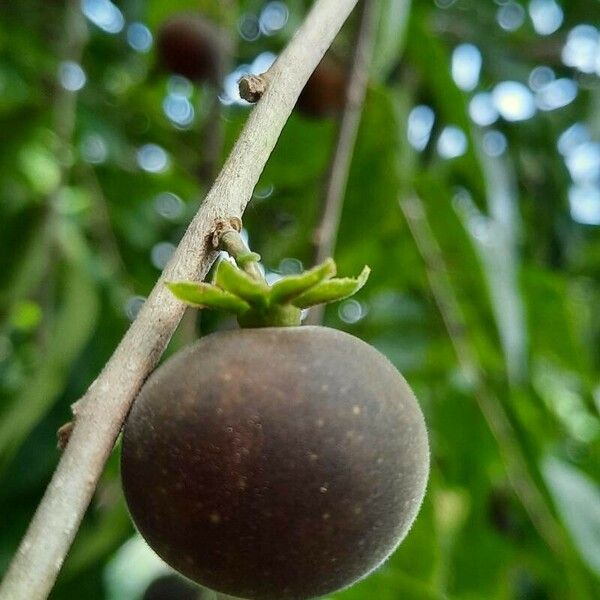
(222, 226)
(63, 435)
(252, 87)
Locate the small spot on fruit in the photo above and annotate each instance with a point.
(357, 510)
(320, 422)
(324, 488)
(215, 518)
(356, 410)
(312, 456)
(325, 516)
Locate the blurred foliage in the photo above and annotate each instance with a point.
(98, 183)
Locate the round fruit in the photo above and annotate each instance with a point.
(191, 46)
(324, 94)
(275, 463)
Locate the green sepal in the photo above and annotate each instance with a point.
(332, 290)
(230, 278)
(258, 305)
(288, 288)
(205, 295)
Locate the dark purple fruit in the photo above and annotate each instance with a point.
(324, 95)
(275, 463)
(190, 45)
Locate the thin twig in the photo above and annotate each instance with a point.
(74, 39)
(64, 112)
(325, 234)
(490, 405)
(105, 405)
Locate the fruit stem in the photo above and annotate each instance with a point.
(228, 238)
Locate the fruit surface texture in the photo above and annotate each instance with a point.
(275, 463)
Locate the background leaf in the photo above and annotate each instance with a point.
(577, 498)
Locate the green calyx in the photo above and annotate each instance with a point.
(257, 304)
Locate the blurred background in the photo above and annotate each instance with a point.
(474, 195)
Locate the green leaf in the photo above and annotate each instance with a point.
(71, 330)
(577, 499)
(389, 584)
(205, 295)
(288, 288)
(27, 235)
(332, 290)
(232, 279)
(391, 36)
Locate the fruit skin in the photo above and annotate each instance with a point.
(190, 45)
(275, 463)
(324, 94)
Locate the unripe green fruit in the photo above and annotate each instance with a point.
(275, 463)
(190, 45)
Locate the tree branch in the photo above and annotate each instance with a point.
(105, 405)
(325, 234)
